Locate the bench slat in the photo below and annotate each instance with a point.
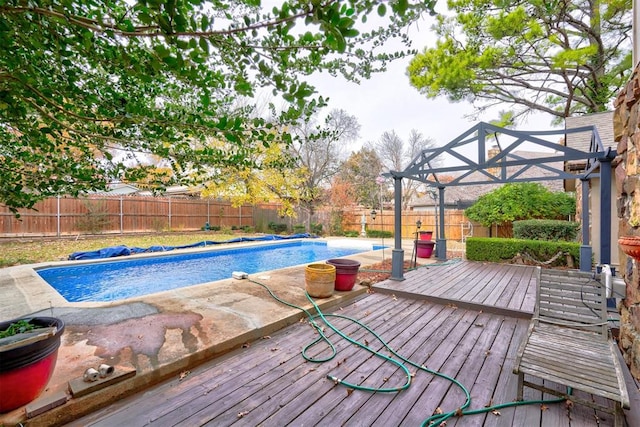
(568, 341)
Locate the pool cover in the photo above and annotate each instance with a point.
(114, 251)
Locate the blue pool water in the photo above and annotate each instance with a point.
(116, 280)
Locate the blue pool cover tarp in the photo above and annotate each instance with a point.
(115, 251)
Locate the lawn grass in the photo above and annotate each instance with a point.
(29, 251)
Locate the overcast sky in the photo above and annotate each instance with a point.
(388, 102)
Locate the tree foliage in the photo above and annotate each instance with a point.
(360, 170)
(248, 185)
(559, 57)
(521, 201)
(318, 148)
(396, 154)
(89, 90)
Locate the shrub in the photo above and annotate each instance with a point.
(96, 219)
(501, 250)
(520, 201)
(316, 228)
(351, 234)
(379, 233)
(277, 228)
(299, 228)
(546, 230)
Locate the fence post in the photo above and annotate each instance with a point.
(121, 217)
(58, 217)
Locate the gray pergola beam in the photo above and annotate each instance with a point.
(420, 169)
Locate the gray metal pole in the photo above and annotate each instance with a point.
(397, 255)
(605, 210)
(585, 249)
(441, 241)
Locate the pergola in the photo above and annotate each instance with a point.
(510, 167)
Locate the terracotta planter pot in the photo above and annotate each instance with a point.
(26, 370)
(630, 245)
(320, 280)
(426, 235)
(346, 273)
(425, 248)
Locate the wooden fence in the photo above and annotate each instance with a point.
(456, 225)
(121, 214)
(102, 214)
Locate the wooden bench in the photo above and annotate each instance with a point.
(568, 342)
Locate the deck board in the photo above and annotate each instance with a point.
(497, 288)
(270, 384)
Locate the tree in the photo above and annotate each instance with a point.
(519, 201)
(318, 150)
(80, 80)
(559, 57)
(395, 155)
(254, 185)
(361, 170)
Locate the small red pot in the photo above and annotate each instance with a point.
(346, 273)
(426, 235)
(25, 371)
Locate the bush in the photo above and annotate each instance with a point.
(501, 250)
(379, 233)
(351, 234)
(316, 228)
(96, 219)
(277, 228)
(535, 229)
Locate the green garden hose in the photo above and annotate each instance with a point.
(398, 360)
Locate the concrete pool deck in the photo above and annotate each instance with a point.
(153, 337)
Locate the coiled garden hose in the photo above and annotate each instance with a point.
(399, 360)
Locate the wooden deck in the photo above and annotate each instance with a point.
(450, 318)
(498, 288)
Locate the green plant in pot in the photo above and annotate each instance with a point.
(28, 354)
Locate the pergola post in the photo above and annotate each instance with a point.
(605, 209)
(441, 241)
(397, 255)
(585, 248)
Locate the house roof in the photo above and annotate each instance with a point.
(582, 140)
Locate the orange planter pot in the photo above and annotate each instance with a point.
(630, 245)
(320, 280)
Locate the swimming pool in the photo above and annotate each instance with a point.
(116, 280)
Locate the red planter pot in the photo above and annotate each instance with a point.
(346, 273)
(425, 248)
(26, 370)
(425, 235)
